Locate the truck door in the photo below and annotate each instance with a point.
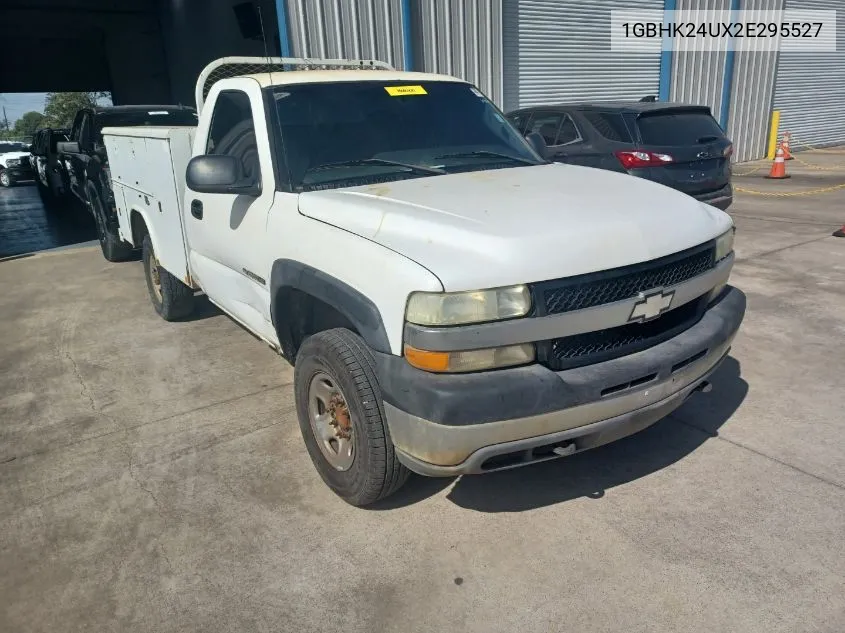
(229, 250)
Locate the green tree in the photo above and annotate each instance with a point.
(61, 107)
(26, 125)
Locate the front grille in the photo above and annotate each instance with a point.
(593, 289)
(602, 345)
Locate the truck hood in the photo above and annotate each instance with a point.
(7, 155)
(525, 224)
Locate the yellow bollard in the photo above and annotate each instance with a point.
(773, 134)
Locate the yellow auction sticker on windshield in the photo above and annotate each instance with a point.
(401, 91)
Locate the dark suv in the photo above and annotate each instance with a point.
(680, 146)
(86, 162)
(50, 175)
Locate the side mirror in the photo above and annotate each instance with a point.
(32, 149)
(68, 147)
(218, 174)
(537, 143)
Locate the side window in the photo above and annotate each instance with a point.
(77, 125)
(610, 125)
(520, 120)
(568, 132)
(233, 133)
(546, 125)
(85, 133)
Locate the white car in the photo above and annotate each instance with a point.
(453, 303)
(14, 163)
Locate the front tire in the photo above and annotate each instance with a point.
(341, 416)
(114, 249)
(5, 179)
(171, 299)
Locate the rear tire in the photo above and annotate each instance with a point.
(171, 299)
(46, 195)
(114, 249)
(340, 360)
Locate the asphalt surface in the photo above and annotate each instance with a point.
(152, 476)
(27, 225)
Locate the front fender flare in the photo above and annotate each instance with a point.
(358, 309)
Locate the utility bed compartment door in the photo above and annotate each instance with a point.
(148, 178)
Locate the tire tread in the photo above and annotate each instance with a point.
(177, 299)
(385, 473)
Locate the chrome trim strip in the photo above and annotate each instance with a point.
(529, 330)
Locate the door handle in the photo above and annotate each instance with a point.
(196, 209)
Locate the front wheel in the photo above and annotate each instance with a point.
(171, 298)
(5, 179)
(339, 405)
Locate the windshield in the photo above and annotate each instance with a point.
(11, 147)
(678, 128)
(353, 133)
(152, 117)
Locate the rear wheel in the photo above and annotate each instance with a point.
(114, 249)
(171, 298)
(45, 193)
(341, 416)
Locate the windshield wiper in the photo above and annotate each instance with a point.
(483, 152)
(419, 169)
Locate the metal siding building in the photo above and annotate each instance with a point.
(751, 93)
(559, 50)
(810, 87)
(354, 29)
(461, 38)
(697, 76)
(533, 52)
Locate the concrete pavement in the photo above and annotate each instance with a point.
(152, 477)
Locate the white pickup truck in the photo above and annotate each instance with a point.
(452, 302)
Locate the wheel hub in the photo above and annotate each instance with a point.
(155, 276)
(340, 420)
(331, 421)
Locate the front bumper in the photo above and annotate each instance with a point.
(447, 425)
(721, 199)
(17, 174)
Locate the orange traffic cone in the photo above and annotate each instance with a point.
(785, 145)
(840, 232)
(778, 170)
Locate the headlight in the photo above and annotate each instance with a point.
(455, 308)
(470, 360)
(13, 162)
(725, 244)
(724, 247)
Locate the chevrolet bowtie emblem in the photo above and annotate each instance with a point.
(651, 305)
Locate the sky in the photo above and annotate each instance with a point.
(17, 104)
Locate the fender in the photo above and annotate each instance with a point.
(358, 309)
(151, 230)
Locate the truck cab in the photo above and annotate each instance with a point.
(452, 302)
